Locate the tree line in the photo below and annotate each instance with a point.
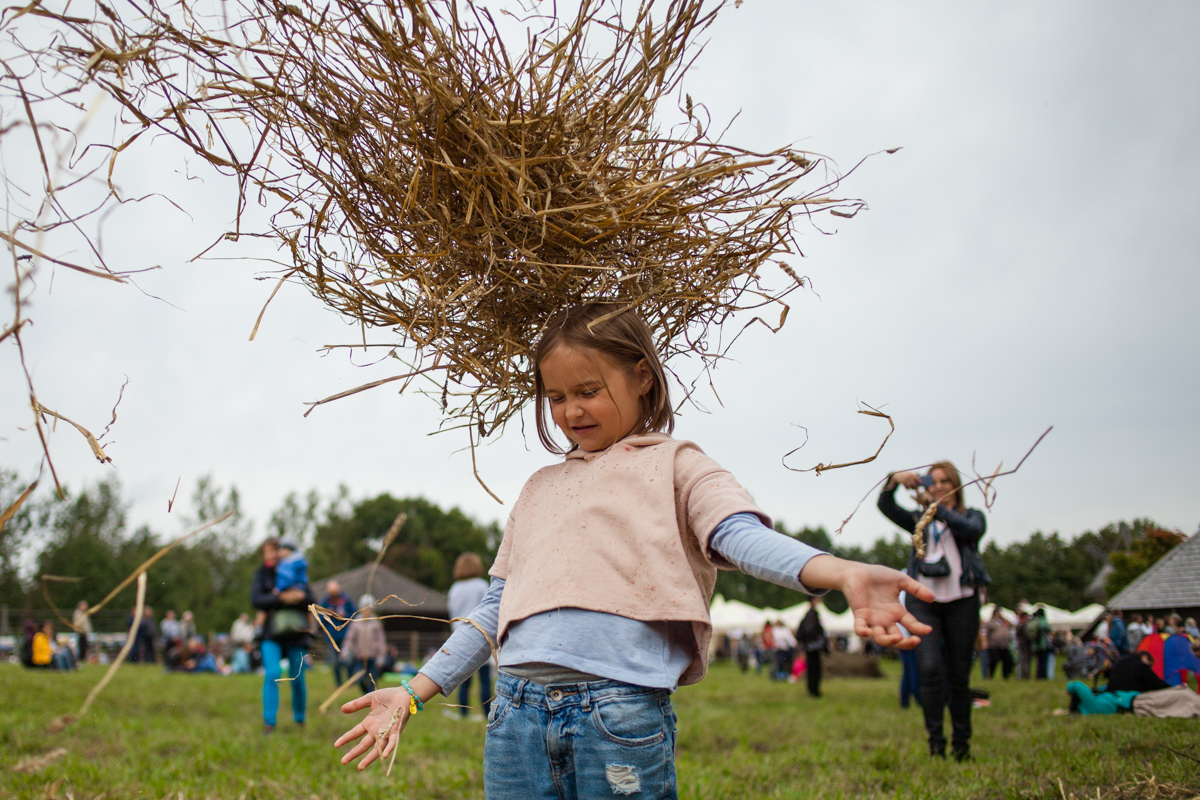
(88, 539)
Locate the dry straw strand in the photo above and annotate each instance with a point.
(33, 764)
(130, 638)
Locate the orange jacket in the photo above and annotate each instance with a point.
(41, 650)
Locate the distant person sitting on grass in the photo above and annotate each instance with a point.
(1085, 701)
(1075, 667)
(47, 653)
(240, 662)
(199, 659)
(601, 586)
(1135, 673)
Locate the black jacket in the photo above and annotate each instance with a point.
(1131, 674)
(968, 528)
(811, 632)
(263, 597)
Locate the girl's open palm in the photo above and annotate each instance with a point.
(384, 705)
(873, 593)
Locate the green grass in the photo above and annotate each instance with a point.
(152, 734)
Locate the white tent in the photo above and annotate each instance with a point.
(731, 615)
(1062, 620)
(985, 613)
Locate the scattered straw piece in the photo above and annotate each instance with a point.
(388, 538)
(12, 510)
(97, 450)
(130, 638)
(33, 764)
(60, 723)
(339, 690)
(819, 468)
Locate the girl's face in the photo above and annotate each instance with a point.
(592, 401)
(943, 487)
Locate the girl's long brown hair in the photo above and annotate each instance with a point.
(625, 340)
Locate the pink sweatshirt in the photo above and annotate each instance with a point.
(622, 531)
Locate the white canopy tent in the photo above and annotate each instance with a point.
(1062, 620)
(733, 615)
(986, 611)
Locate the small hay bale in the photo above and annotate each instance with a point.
(852, 665)
(453, 192)
(60, 723)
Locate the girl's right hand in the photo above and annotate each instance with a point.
(384, 705)
(909, 480)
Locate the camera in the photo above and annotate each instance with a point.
(927, 481)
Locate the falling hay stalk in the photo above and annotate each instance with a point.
(447, 192)
(985, 480)
(97, 450)
(327, 619)
(12, 510)
(338, 691)
(139, 575)
(130, 638)
(388, 538)
(819, 468)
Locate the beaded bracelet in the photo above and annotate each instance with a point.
(414, 702)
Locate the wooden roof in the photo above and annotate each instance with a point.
(1173, 582)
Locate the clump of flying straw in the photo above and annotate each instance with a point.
(447, 190)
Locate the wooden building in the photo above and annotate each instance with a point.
(402, 602)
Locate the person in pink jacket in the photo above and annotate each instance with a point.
(600, 589)
(366, 644)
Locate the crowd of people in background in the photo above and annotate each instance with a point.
(1031, 649)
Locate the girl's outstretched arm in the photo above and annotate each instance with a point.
(389, 713)
(874, 595)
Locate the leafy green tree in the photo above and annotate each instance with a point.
(424, 550)
(1143, 553)
(1043, 569)
(14, 537)
(82, 540)
(296, 518)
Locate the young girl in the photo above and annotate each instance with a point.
(599, 593)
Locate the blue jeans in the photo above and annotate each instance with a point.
(272, 653)
(910, 679)
(338, 666)
(369, 682)
(578, 740)
(485, 690)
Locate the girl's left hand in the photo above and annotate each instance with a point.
(388, 715)
(874, 596)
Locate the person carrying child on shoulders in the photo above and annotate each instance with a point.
(620, 542)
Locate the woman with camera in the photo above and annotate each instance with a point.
(953, 569)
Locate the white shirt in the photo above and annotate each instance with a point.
(941, 543)
(463, 597)
(784, 640)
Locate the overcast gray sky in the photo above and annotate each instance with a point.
(1028, 259)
